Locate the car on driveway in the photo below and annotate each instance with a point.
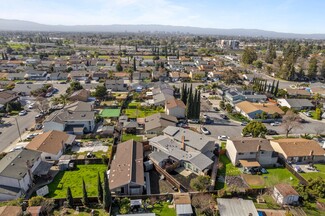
(224, 117)
(22, 113)
(275, 123)
(223, 138)
(205, 131)
(243, 123)
(193, 121)
(271, 132)
(31, 106)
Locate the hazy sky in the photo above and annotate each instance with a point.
(296, 16)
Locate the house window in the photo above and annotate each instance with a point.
(262, 152)
(240, 153)
(48, 158)
(252, 153)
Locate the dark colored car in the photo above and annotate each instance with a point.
(224, 116)
(271, 132)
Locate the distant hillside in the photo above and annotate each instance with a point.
(19, 25)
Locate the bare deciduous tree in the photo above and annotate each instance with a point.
(290, 121)
(42, 104)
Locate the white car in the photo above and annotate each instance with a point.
(31, 106)
(22, 113)
(205, 131)
(223, 138)
(276, 124)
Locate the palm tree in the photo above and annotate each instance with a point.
(55, 100)
(64, 99)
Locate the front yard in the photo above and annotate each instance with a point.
(137, 113)
(73, 179)
(126, 137)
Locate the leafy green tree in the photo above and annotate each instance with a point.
(74, 86)
(222, 105)
(317, 98)
(69, 197)
(257, 129)
(318, 114)
(200, 183)
(85, 200)
(8, 108)
(99, 189)
(119, 67)
(107, 197)
(249, 55)
(228, 108)
(312, 67)
(101, 92)
(134, 64)
(258, 64)
(322, 69)
(276, 89)
(270, 54)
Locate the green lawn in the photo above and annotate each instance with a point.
(136, 113)
(238, 117)
(225, 169)
(276, 176)
(108, 113)
(73, 179)
(162, 209)
(126, 137)
(83, 211)
(313, 175)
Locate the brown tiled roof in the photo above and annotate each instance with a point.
(286, 189)
(127, 166)
(251, 144)
(159, 120)
(300, 147)
(171, 103)
(10, 210)
(51, 142)
(7, 94)
(269, 108)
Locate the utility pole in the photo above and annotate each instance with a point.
(18, 129)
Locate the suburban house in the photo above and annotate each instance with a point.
(160, 99)
(7, 96)
(285, 194)
(235, 96)
(163, 88)
(299, 150)
(175, 108)
(77, 118)
(183, 147)
(99, 75)
(246, 151)
(232, 207)
(126, 174)
(57, 76)
(179, 76)
(298, 93)
(116, 85)
(51, 144)
(17, 170)
(156, 123)
(35, 75)
(79, 75)
(296, 104)
(253, 110)
(80, 95)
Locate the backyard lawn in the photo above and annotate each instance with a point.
(137, 113)
(225, 169)
(73, 179)
(108, 113)
(274, 176)
(313, 175)
(162, 209)
(126, 137)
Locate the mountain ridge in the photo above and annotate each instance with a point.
(22, 25)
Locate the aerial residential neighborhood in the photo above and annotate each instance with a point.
(147, 120)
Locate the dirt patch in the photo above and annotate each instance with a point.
(236, 181)
(253, 179)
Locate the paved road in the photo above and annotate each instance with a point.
(10, 131)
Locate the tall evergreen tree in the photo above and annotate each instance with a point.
(265, 86)
(198, 104)
(276, 89)
(99, 189)
(194, 105)
(189, 104)
(69, 197)
(107, 196)
(184, 96)
(85, 200)
(134, 64)
(272, 88)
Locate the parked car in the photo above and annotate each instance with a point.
(223, 138)
(31, 106)
(22, 113)
(246, 135)
(193, 121)
(49, 94)
(30, 136)
(271, 132)
(224, 116)
(275, 123)
(243, 123)
(38, 126)
(308, 114)
(38, 116)
(62, 82)
(205, 131)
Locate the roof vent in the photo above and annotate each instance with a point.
(12, 164)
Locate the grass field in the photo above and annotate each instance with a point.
(126, 137)
(162, 209)
(73, 179)
(313, 175)
(273, 177)
(135, 113)
(225, 169)
(108, 113)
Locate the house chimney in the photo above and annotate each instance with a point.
(258, 148)
(183, 143)
(311, 153)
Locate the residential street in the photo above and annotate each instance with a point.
(10, 131)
